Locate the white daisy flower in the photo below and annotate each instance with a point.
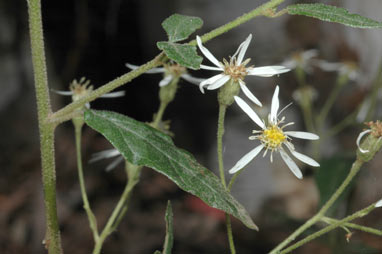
(106, 154)
(79, 89)
(170, 71)
(272, 137)
(359, 138)
(350, 69)
(301, 59)
(235, 69)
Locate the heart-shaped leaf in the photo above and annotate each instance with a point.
(179, 27)
(333, 14)
(143, 145)
(183, 54)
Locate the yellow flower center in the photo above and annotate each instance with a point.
(273, 137)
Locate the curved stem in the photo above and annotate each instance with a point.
(92, 219)
(48, 168)
(353, 171)
(325, 230)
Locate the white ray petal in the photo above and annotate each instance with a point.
(360, 136)
(304, 158)
(290, 63)
(151, 71)
(248, 93)
(267, 71)
(65, 93)
(207, 53)
(191, 79)
(114, 94)
(114, 163)
(104, 155)
(243, 49)
(306, 55)
(209, 81)
(302, 135)
(249, 111)
(211, 68)
(219, 83)
(166, 80)
(326, 66)
(246, 159)
(291, 164)
(379, 203)
(275, 105)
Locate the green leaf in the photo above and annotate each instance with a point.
(333, 14)
(329, 177)
(184, 55)
(179, 27)
(169, 240)
(143, 145)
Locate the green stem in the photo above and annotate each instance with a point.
(327, 229)
(353, 225)
(119, 210)
(159, 59)
(261, 10)
(159, 114)
(222, 111)
(53, 240)
(92, 219)
(341, 81)
(353, 171)
(230, 234)
(108, 87)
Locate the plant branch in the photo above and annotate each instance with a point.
(353, 171)
(327, 229)
(354, 226)
(53, 241)
(159, 59)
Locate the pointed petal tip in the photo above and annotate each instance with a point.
(379, 203)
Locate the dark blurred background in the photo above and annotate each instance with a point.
(94, 39)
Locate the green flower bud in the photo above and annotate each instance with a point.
(227, 92)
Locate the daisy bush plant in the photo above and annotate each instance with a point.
(146, 144)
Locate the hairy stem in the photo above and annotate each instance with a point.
(53, 241)
(108, 87)
(222, 111)
(159, 59)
